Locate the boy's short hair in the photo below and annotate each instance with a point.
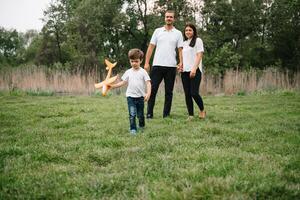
(135, 54)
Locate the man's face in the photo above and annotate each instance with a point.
(169, 18)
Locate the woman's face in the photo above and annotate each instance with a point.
(189, 32)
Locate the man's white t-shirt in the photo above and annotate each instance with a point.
(189, 54)
(136, 79)
(166, 42)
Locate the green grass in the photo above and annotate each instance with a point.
(64, 147)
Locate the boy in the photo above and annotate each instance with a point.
(138, 80)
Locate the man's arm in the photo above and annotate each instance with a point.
(148, 56)
(180, 57)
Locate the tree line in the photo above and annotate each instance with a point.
(79, 34)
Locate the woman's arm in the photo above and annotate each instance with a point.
(196, 65)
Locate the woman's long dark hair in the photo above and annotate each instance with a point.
(193, 41)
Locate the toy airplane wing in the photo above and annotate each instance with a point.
(106, 82)
(109, 64)
(106, 85)
(99, 85)
(111, 80)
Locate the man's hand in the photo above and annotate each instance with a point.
(147, 67)
(148, 56)
(147, 96)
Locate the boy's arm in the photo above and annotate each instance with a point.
(147, 96)
(119, 84)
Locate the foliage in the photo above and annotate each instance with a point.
(222, 59)
(11, 47)
(285, 32)
(80, 34)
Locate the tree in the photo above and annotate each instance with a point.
(55, 18)
(184, 11)
(11, 47)
(284, 32)
(137, 24)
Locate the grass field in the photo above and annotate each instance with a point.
(65, 147)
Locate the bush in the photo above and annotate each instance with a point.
(222, 59)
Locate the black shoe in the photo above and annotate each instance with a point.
(166, 115)
(149, 116)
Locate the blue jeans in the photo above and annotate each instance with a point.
(136, 108)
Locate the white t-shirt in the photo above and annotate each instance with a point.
(189, 54)
(166, 42)
(136, 80)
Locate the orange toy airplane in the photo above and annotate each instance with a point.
(108, 80)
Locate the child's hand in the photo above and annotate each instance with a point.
(147, 96)
(109, 86)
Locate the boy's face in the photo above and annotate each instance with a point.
(135, 63)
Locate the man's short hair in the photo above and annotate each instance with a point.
(171, 11)
(135, 54)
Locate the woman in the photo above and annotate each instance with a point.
(191, 70)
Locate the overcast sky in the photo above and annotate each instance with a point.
(22, 14)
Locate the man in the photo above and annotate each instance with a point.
(166, 40)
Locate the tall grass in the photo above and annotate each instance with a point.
(42, 79)
(57, 81)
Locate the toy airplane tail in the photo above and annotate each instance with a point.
(109, 64)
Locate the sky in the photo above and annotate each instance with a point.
(22, 14)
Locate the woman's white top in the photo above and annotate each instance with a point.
(189, 54)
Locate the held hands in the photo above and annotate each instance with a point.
(180, 67)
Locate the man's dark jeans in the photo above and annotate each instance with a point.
(136, 108)
(158, 73)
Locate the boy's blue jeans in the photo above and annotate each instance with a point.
(136, 108)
